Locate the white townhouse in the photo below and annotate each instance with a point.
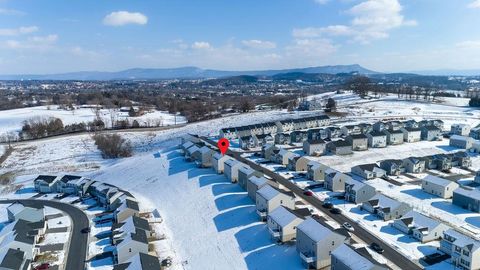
(346, 257)
(316, 170)
(218, 162)
(282, 223)
(46, 183)
(460, 129)
(255, 183)
(386, 208)
(464, 251)
(230, 169)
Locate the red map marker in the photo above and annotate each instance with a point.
(223, 145)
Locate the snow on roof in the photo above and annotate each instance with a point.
(313, 229)
(385, 202)
(15, 208)
(187, 144)
(460, 138)
(246, 169)
(438, 181)
(205, 149)
(232, 162)
(471, 193)
(219, 156)
(258, 181)
(351, 258)
(193, 149)
(268, 192)
(421, 221)
(462, 240)
(282, 216)
(356, 184)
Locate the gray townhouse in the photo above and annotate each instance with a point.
(244, 173)
(317, 133)
(315, 147)
(340, 147)
(460, 129)
(298, 136)
(365, 128)
(269, 198)
(334, 132)
(394, 137)
(461, 159)
(316, 171)
(411, 134)
(368, 171)
(285, 126)
(377, 139)
(441, 162)
(414, 165)
(459, 141)
(228, 133)
(467, 198)
(392, 166)
(437, 186)
(335, 180)
(385, 207)
(351, 130)
(358, 192)
(395, 125)
(263, 139)
(410, 123)
(315, 243)
(282, 138)
(475, 133)
(359, 142)
(46, 183)
(282, 223)
(298, 163)
(255, 183)
(379, 126)
(247, 142)
(218, 162)
(464, 251)
(431, 133)
(346, 257)
(420, 227)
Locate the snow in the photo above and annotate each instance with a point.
(282, 216)
(217, 224)
(313, 229)
(351, 258)
(11, 120)
(268, 192)
(63, 221)
(56, 238)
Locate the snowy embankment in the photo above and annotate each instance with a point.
(210, 222)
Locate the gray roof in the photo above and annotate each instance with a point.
(377, 133)
(358, 136)
(132, 204)
(67, 178)
(13, 259)
(468, 192)
(47, 178)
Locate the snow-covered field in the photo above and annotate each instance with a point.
(11, 120)
(212, 223)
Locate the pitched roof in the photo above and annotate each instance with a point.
(282, 216)
(468, 192)
(438, 181)
(268, 192)
(47, 178)
(12, 259)
(419, 221)
(313, 229)
(350, 258)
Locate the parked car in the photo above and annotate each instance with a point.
(308, 193)
(43, 266)
(347, 226)
(315, 186)
(327, 205)
(86, 230)
(376, 247)
(335, 211)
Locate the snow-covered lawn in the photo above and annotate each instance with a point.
(372, 155)
(60, 222)
(384, 230)
(55, 238)
(211, 222)
(431, 205)
(99, 246)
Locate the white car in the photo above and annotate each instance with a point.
(347, 226)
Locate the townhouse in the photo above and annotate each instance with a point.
(346, 257)
(351, 130)
(464, 251)
(315, 243)
(45, 183)
(298, 163)
(340, 147)
(244, 173)
(437, 186)
(315, 147)
(316, 170)
(421, 227)
(392, 166)
(414, 165)
(394, 137)
(282, 223)
(463, 142)
(368, 171)
(269, 198)
(31, 213)
(358, 192)
(139, 261)
(385, 207)
(359, 142)
(411, 134)
(218, 162)
(377, 139)
(282, 138)
(228, 133)
(230, 169)
(335, 180)
(460, 129)
(467, 198)
(298, 136)
(431, 133)
(255, 183)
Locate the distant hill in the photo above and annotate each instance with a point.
(449, 72)
(184, 73)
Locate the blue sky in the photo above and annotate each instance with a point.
(51, 36)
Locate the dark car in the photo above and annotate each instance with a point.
(308, 193)
(327, 205)
(42, 266)
(335, 211)
(315, 186)
(377, 248)
(85, 230)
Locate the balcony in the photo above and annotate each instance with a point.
(308, 258)
(274, 233)
(262, 214)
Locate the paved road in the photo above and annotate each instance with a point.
(390, 253)
(77, 249)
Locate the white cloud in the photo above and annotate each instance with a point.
(36, 43)
(201, 45)
(372, 19)
(18, 31)
(120, 18)
(4, 11)
(469, 44)
(474, 4)
(259, 44)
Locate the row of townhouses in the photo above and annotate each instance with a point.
(130, 233)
